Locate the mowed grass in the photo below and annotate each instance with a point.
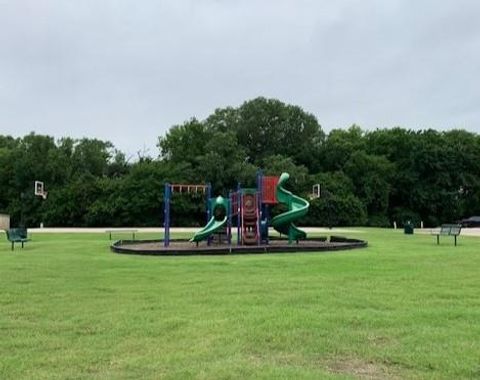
(402, 308)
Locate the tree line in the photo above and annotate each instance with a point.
(366, 177)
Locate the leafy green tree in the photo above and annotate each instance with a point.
(68, 205)
(299, 181)
(370, 176)
(434, 172)
(224, 162)
(8, 146)
(267, 127)
(336, 210)
(337, 205)
(92, 156)
(340, 145)
(185, 143)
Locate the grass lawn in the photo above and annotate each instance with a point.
(402, 308)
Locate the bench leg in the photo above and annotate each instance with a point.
(438, 239)
(22, 244)
(13, 245)
(455, 236)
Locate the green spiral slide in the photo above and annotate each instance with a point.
(217, 221)
(297, 208)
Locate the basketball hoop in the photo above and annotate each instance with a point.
(40, 190)
(316, 191)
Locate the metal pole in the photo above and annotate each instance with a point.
(209, 208)
(229, 224)
(209, 196)
(259, 204)
(267, 216)
(260, 190)
(22, 213)
(259, 218)
(239, 213)
(166, 222)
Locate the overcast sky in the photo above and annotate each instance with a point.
(127, 70)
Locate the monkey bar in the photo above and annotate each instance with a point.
(170, 189)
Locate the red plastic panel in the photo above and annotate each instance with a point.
(250, 219)
(269, 187)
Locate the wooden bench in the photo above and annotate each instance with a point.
(17, 235)
(110, 232)
(447, 230)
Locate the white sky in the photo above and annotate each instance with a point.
(127, 70)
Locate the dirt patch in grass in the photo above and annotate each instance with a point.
(360, 369)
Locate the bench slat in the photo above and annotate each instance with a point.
(448, 230)
(17, 235)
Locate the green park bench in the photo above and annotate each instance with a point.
(17, 235)
(120, 231)
(447, 230)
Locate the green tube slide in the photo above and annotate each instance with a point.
(297, 208)
(217, 221)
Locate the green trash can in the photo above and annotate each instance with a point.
(408, 228)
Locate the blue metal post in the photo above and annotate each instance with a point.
(259, 204)
(239, 213)
(260, 190)
(259, 213)
(209, 196)
(209, 208)
(166, 210)
(266, 214)
(229, 223)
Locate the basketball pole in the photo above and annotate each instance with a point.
(39, 191)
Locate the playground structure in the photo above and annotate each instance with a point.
(246, 210)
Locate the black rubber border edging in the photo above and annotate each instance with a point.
(337, 244)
